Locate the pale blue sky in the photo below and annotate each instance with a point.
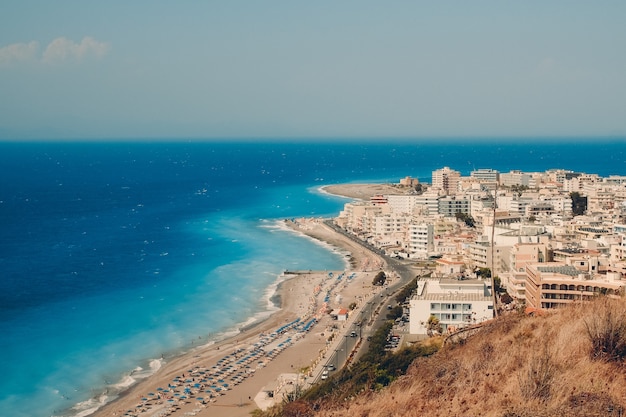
(282, 69)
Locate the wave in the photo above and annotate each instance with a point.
(112, 391)
(90, 406)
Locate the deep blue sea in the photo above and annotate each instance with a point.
(114, 255)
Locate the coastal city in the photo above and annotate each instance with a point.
(552, 238)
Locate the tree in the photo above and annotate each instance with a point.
(506, 298)
(579, 203)
(497, 283)
(433, 326)
(380, 278)
(395, 313)
(469, 220)
(484, 272)
(407, 291)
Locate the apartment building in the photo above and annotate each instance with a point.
(486, 175)
(455, 303)
(446, 180)
(403, 203)
(517, 178)
(390, 225)
(427, 203)
(356, 217)
(420, 240)
(556, 284)
(514, 277)
(451, 205)
(479, 253)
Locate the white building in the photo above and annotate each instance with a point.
(455, 303)
(489, 175)
(450, 206)
(512, 178)
(428, 203)
(421, 240)
(403, 203)
(446, 180)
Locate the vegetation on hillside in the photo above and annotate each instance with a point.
(568, 362)
(376, 369)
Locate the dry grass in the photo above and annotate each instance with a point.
(517, 366)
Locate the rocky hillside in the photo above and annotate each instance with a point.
(562, 363)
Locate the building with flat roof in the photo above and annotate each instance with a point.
(446, 180)
(556, 284)
(455, 303)
(420, 240)
(487, 174)
(451, 205)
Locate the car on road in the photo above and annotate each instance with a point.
(325, 375)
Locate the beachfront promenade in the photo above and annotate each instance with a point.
(203, 386)
(268, 361)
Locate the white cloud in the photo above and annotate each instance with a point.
(59, 50)
(18, 52)
(63, 49)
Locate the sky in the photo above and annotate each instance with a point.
(325, 69)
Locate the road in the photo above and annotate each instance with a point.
(373, 314)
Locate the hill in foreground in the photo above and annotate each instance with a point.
(568, 362)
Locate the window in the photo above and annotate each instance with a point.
(434, 306)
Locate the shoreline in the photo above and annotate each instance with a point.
(292, 293)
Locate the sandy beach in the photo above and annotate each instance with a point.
(235, 376)
(364, 191)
